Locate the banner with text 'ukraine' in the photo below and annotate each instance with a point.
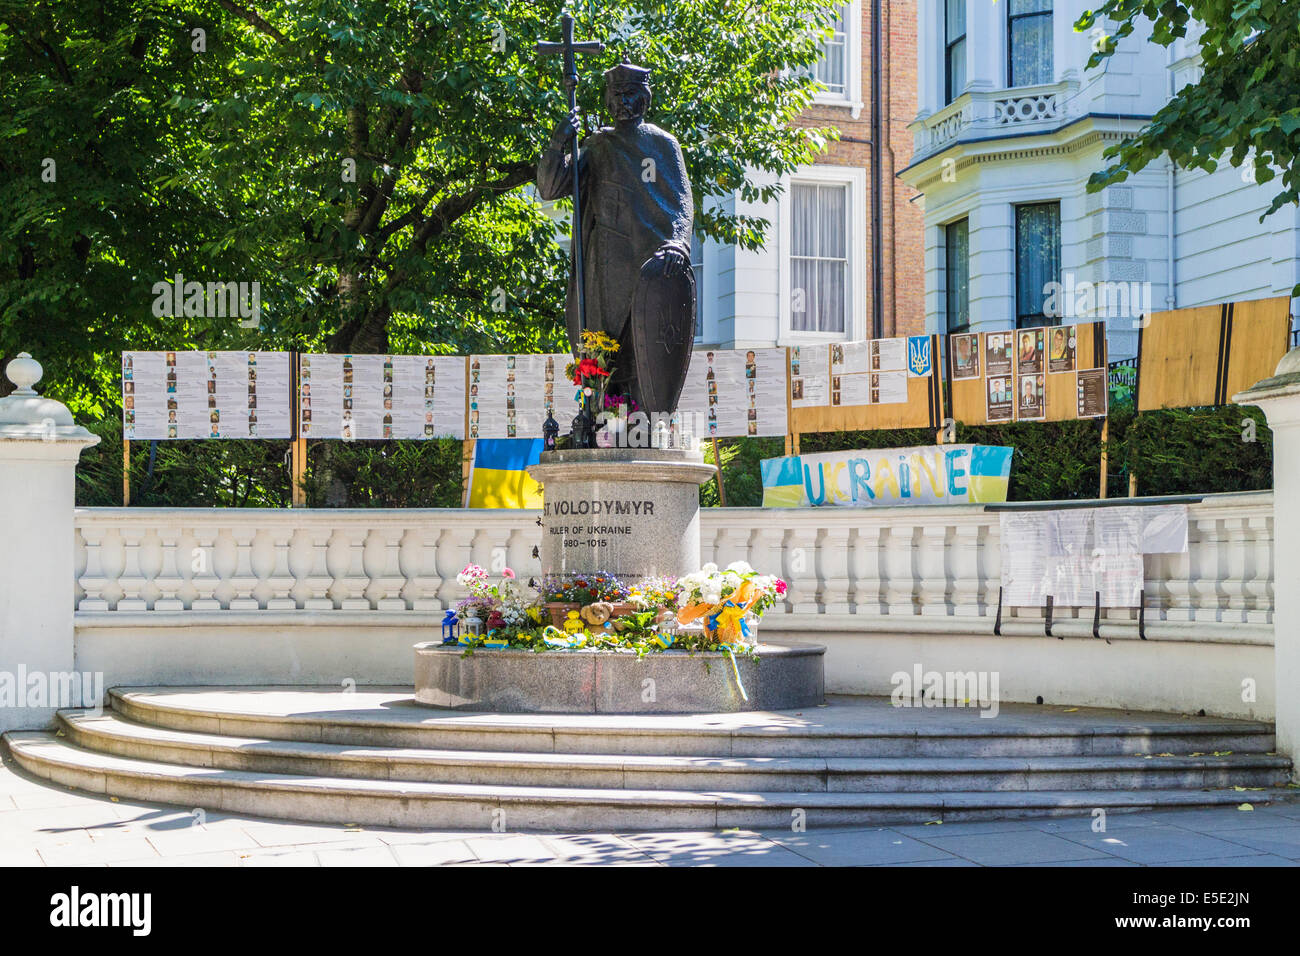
(889, 477)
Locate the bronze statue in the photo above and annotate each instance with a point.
(632, 276)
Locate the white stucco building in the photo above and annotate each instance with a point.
(1011, 124)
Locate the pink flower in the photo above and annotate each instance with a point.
(508, 574)
(780, 586)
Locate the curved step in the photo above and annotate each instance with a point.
(469, 806)
(854, 727)
(111, 734)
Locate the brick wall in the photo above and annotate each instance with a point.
(902, 220)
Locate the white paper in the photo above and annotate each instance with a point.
(174, 395)
(363, 397)
(1164, 529)
(734, 393)
(809, 383)
(510, 395)
(1024, 558)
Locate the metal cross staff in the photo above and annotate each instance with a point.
(569, 48)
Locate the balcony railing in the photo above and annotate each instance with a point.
(978, 114)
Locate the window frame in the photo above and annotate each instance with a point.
(1039, 319)
(1049, 13)
(949, 94)
(852, 95)
(950, 329)
(855, 322)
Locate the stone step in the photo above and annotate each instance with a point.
(111, 734)
(478, 807)
(844, 727)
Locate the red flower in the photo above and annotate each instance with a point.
(780, 586)
(587, 368)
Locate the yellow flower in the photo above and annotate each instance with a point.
(598, 342)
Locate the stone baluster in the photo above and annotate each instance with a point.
(866, 568)
(348, 569)
(455, 550)
(281, 580)
(93, 580)
(169, 579)
(244, 579)
(203, 565)
(767, 555)
(835, 548)
(1234, 588)
(419, 563)
(897, 556)
(1261, 581)
(804, 562)
(383, 554)
(1204, 586)
(132, 579)
(316, 579)
(965, 559)
(932, 572)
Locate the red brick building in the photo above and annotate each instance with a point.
(844, 258)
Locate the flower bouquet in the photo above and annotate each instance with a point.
(728, 602)
(490, 606)
(563, 593)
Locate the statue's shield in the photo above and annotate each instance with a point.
(663, 334)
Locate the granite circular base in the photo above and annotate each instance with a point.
(785, 677)
(629, 511)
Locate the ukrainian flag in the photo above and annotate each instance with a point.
(990, 473)
(497, 478)
(783, 482)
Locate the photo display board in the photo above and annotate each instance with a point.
(1049, 374)
(736, 393)
(854, 386)
(364, 397)
(175, 395)
(510, 395)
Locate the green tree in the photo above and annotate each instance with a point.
(368, 162)
(1246, 105)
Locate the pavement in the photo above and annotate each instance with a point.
(42, 824)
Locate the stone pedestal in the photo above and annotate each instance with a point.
(784, 677)
(1279, 397)
(39, 448)
(630, 511)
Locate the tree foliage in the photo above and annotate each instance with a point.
(367, 162)
(1246, 103)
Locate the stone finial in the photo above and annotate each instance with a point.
(24, 372)
(25, 416)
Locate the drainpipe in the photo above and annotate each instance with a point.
(877, 244)
(1171, 292)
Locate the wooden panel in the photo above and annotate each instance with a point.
(915, 413)
(1178, 358)
(969, 402)
(1261, 331)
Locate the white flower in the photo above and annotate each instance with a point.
(740, 567)
(710, 568)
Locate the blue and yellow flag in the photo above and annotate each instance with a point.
(497, 478)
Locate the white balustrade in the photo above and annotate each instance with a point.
(842, 565)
